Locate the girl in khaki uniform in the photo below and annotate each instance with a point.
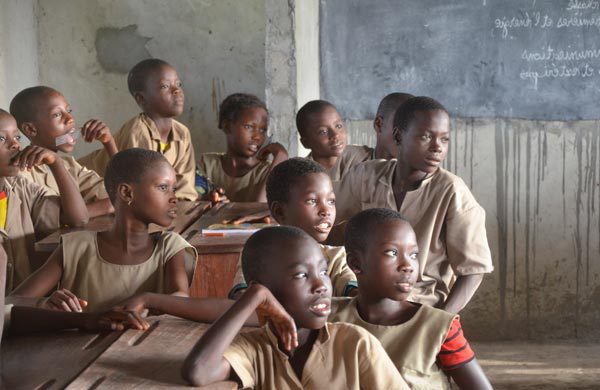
(98, 270)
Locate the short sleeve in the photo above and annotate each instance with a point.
(91, 185)
(455, 351)
(44, 207)
(185, 167)
(241, 356)
(342, 277)
(173, 243)
(466, 242)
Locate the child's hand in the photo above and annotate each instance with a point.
(137, 303)
(259, 217)
(114, 320)
(64, 300)
(33, 156)
(269, 309)
(95, 129)
(276, 149)
(217, 196)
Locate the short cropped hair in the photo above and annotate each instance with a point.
(405, 114)
(231, 108)
(4, 112)
(260, 248)
(25, 105)
(129, 166)
(139, 74)
(361, 226)
(285, 176)
(310, 108)
(390, 103)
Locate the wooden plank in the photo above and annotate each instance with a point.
(51, 360)
(214, 274)
(150, 359)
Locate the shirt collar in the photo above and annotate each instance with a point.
(322, 338)
(175, 135)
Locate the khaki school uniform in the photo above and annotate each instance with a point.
(412, 346)
(352, 155)
(90, 184)
(342, 277)
(32, 213)
(344, 356)
(237, 189)
(104, 284)
(448, 222)
(141, 132)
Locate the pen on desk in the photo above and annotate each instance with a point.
(213, 234)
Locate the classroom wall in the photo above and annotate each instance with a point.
(85, 48)
(538, 182)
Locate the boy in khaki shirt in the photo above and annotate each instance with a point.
(156, 88)
(45, 117)
(300, 194)
(297, 349)
(448, 221)
(322, 130)
(31, 211)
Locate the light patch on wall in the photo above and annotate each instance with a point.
(119, 49)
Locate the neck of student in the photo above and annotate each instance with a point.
(164, 125)
(130, 233)
(236, 165)
(382, 311)
(380, 152)
(326, 162)
(407, 178)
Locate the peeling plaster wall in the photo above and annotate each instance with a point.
(217, 47)
(539, 184)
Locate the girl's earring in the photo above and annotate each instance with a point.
(129, 203)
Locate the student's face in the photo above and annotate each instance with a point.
(246, 135)
(389, 264)
(9, 144)
(311, 206)
(154, 199)
(298, 279)
(53, 119)
(163, 93)
(325, 134)
(424, 144)
(385, 135)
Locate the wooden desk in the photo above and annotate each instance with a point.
(187, 213)
(149, 359)
(218, 256)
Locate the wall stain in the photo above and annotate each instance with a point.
(501, 157)
(119, 49)
(217, 92)
(528, 231)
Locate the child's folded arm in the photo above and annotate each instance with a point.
(205, 364)
(176, 279)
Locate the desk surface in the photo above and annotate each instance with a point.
(187, 213)
(148, 359)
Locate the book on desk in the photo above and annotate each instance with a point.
(229, 229)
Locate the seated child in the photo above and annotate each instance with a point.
(383, 124)
(45, 117)
(448, 221)
(299, 193)
(322, 130)
(425, 343)
(96, 270)
(242, 171)
(298, 349)
(157, 90)
(28, 211)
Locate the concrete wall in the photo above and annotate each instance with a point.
(18, 48)
(538, 182)
(87, 47)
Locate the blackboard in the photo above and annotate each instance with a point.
(535, 59)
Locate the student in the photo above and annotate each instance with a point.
(242, 171)
(28, 211)
(383, 124)
(322, 130)
(298, 348)
(300, 194)
(425, 343)
(156, 88)
(96, 270)
(43, 115)
(448, 221)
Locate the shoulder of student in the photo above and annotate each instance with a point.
(449, 184)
